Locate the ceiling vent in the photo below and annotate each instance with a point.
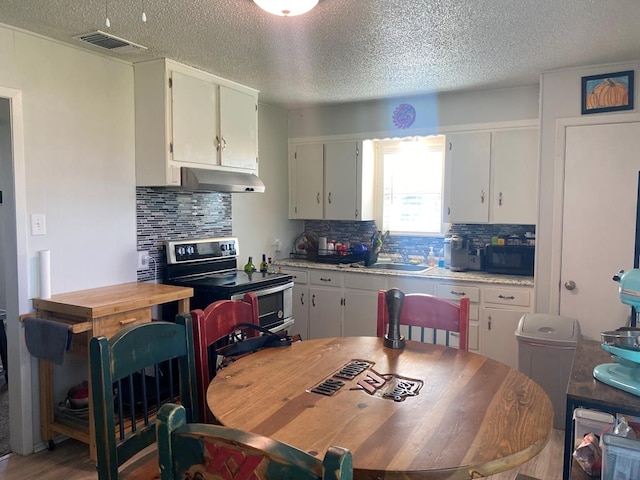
(110, 42)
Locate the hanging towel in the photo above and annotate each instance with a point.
(46, 339)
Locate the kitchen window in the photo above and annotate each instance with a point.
(410, 184)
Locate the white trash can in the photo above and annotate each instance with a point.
(546, 344)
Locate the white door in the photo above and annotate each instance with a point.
(325, 312)
(599, 221)
(308, 167)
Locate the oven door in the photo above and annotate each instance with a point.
(275, 306)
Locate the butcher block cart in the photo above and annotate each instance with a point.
(93, 312)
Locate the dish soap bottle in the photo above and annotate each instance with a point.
(264, 267)
(249, 266)
(431, 259)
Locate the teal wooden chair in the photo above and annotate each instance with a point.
(199, 451)
(132, 375)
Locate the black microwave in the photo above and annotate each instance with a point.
(510, 259)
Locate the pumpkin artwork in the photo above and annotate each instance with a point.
(609, 93)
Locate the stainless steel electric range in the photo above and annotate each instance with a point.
(210, 267)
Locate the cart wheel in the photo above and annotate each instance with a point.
(51, 445)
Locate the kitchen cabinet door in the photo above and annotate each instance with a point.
(514, 176)
(308, 182)
(325, 312)
(340, 190)
(468, 160)
(300, 311)
(497, 334)
(599, 223)
(194, 117)
(238, 129)
(360, 313)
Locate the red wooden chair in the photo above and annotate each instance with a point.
(197, 451)
(211, 328)
(429, 319)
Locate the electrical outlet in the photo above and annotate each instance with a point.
(37, 224)
(143, 260)
(276, 244)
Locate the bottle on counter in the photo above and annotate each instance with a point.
(264, 266)
(270, 270)
(431, 259)
(249, 266)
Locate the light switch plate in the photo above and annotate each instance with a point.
(38, 226)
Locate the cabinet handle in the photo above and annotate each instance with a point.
(224, 143)
(510, 297)
(460, 294)
(329, 198)
(322, 279)
(500, 199)
(217, 143)
(482, 196)
(302, 298)
(127, 321)
(313, 300)
(448, 211)
(489, 325)
(318, 198)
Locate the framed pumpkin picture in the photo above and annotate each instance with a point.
(607, 93)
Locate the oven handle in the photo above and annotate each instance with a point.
(265, 291)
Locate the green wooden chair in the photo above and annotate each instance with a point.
(197, 451)
(132, 375)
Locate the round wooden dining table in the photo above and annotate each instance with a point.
(425, 411)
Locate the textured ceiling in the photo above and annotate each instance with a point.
(354, 50)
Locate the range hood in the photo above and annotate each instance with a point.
(220, 181)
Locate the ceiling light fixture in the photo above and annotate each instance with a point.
(286, 8)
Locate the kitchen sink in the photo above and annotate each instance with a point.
(400, 267)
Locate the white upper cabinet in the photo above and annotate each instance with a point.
(468, 162)
(332, 181)
(514, 197)
(187, 117)
(492, 177)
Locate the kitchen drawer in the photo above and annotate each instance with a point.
(455, 291)
(411, 285)
(326, 278)
(111, 324)
(365, 282)
(502, 296)
(299, 276)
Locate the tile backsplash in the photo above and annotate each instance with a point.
(360, 232)
(166, 214)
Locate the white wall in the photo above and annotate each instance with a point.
(6, 187)
(258, 219)
(433, 112)
(560, 93)
(78, 125)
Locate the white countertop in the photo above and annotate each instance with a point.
(437, 273)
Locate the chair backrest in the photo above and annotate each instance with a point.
(213, 451)
(132, 375)
(428, 319)
(210, 326)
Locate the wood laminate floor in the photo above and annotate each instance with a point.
(70, 461)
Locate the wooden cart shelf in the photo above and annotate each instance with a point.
(93, 312)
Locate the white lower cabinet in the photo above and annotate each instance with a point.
(412, 285)
(361, 304)
(301, 301)
(456, 291)
(325, 309)
(501, 312)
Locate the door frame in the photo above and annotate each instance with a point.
(562, 124)
(16, 264)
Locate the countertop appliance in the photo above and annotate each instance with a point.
(510, 259)
(623, 344)
(459, 253)
(210, 267)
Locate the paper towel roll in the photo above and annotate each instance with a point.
(322, 246)
(44, 259)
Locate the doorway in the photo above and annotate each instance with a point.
(14, 269)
